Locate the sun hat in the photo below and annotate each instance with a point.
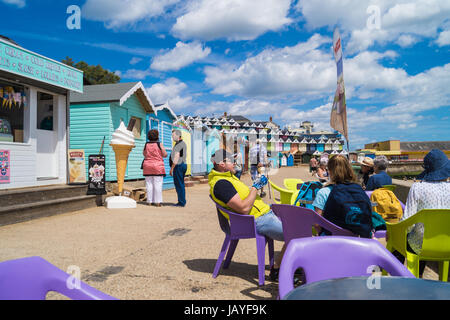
(367, 162)
(220, 155)
(436, 165)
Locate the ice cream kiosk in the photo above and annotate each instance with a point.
(34, 93)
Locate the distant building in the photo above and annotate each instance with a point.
(395, 150)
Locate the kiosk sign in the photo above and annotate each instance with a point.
(25, 63)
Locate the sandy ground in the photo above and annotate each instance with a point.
(148, 252)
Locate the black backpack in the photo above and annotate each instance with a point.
(349, 207)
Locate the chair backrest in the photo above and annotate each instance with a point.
(390, 187)
(369, 193)
(298, 222)
(291, 183)
(32, 278)
(286, 196)
(436, 236)
(324, 258)
(238, 225)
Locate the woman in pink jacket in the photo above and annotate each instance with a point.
(153, 167)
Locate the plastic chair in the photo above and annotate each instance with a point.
(299, 221)
(436, 240)
(390, 187)
(332, 257)
(291, 183)
(241, 227)
(32, 278)
(286, 196)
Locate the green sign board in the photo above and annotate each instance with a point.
(23, 62)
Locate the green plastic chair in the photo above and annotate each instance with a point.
(436, 240)
(291, 183)
(286, 196)
(390, 187)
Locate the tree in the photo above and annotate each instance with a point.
(93, 74)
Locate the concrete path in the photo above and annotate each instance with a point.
(148, 252)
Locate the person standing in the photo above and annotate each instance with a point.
(258, 159)
(153, 167)
(238, 161)
(313, 165)
(178, 167)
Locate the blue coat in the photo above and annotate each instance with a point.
(378, 180)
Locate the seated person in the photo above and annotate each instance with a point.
(232, 194)
(341, 172)
(365, 172)
(322, 172)
(380, 178)
(430, 193)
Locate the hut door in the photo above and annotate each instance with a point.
(46, 136)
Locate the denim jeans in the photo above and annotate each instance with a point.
(179, 172)
(270, 225)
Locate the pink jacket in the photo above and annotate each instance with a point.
(153, 160)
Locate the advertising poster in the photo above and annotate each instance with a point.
(97, 174)
(77, 169)
(4, 166)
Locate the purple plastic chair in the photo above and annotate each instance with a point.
(241, 227)
(298, 222)
(33, 277)
(332, 257)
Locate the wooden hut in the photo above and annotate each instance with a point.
(97, 112)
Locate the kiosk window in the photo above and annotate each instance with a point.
(44, 111)
(13, 100)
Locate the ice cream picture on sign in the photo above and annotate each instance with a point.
(122, 141)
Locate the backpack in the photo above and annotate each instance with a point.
(389, 206)
(349, 207)
(308, 191)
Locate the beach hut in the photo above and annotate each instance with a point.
(98, 111)
(212, 143)
(290, 160)
(34, 135)
(162, 119)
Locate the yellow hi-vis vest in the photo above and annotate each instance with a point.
(259, 207)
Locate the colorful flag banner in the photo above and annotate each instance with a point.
(338, 118)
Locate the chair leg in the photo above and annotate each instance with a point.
(443, 270)
(225, 244)
(412, 263)
(230, 253)
(271, 252)
(261, 252)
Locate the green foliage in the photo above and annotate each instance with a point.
(93, 74)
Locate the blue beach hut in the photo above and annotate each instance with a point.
(97, 112)
(162, 119)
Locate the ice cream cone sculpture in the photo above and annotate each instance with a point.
(122, 143)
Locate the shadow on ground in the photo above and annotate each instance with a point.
(244, 271)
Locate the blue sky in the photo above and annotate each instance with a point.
(262, 58)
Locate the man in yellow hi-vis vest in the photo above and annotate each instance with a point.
(232, 194)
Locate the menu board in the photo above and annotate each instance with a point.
(77, 169)
(4, 166)
(96, 171)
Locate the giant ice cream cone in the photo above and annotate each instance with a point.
(121, 151)
(122, 142)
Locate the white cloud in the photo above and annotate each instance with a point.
(172, 90)
(119, 13)
(420, 18)
(231, 19)
(18, 3)
(406, 40)
(444, 38)
(301, 69)
(135, 60)
(181, 56)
